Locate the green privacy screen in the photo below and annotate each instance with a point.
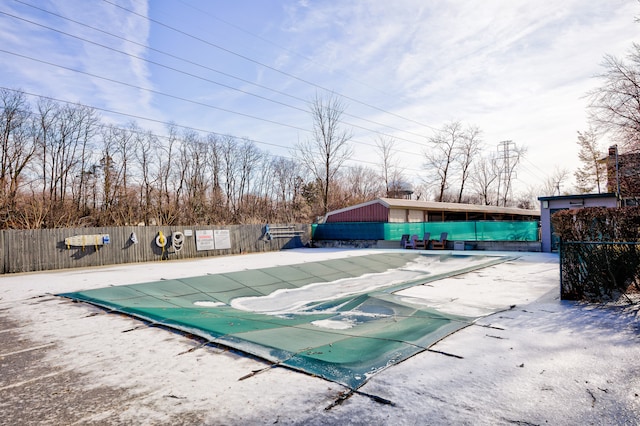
(337, 319)
(460, 231)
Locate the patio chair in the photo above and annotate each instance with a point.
(440, 244)
(424, 242)
(409, 243)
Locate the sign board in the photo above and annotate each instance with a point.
(188, 233)
(222, 239)
(204, 240)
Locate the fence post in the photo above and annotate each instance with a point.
(560, 254)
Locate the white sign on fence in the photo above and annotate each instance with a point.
(204, 240)
(208, 239)
(222, 239)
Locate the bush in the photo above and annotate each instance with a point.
(598, 224)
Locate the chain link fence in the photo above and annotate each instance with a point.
(598, 270)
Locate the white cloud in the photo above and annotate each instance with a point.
(519, 70)
(72, 53)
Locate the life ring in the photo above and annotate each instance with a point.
(161, 240)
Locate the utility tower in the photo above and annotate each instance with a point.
(505, 150)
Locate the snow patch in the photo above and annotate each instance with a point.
(335, 324)
(208, 303)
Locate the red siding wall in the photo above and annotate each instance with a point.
(371, 213)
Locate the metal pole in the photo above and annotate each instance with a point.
(617, 175)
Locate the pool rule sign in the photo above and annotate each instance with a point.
(222, 239)
(208, 239)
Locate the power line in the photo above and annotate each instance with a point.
(154, 62)
(176, 97)
(290, 51)
(544, 174)
(156, 92)
(208, 68)
(239, 55)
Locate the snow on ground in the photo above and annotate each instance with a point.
(538, 360)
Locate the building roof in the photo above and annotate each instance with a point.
(577, 196)
(394, 203)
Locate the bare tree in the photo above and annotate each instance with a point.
(528, 199)
(218, 203)
(16, 147)
(326, 152)
(249, 157)
(553, 183)
(145, 150)
(229, 155)
(261, 206)
(592, 173)
(118, 155)
(360, 184)
(442, 156)
(197, 177)
(485, 179)
(167, 195)
(63, 135)
(392, 174)
(287, 187)
(468, 150)
(614, 107)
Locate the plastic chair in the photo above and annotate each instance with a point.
(440, 244)
(424, 243)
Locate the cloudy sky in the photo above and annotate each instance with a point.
(519, 70)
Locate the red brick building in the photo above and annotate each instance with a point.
(623, 176)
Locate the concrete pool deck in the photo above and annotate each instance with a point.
(539, 360)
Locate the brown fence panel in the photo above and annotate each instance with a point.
(45, 249)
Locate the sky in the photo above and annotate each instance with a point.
(518, 70)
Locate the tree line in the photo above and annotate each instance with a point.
(61, 165)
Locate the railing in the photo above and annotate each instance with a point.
(282, 231)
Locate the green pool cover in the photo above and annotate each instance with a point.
(344, 335)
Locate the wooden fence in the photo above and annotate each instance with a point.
(45, 249)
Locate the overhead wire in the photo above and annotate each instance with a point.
(156, 92)
(204, 67)
(178, 97)
(244, 57)
(285, 49)
(213, 81)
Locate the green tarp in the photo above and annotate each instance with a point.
(344, 339)
(458, 231)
